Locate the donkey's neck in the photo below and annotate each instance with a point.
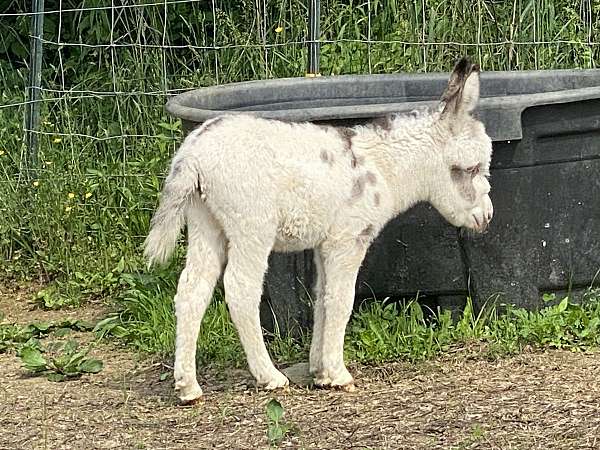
(406, 154)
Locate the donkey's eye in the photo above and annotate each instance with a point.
(473, 170)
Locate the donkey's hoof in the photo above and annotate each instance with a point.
(342, 381)
(322, 382)
(350, 387)
(190, 395)
(191, 402)
(278, 380)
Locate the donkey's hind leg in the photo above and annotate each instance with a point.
(243, 280)
(206, 257)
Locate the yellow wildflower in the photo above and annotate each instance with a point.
(67, 208)
(36, 183)
(88, 194)
(278, 29)
(1, 152)
(71, 195)
(57, 140)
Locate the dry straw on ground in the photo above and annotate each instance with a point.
(532, 401)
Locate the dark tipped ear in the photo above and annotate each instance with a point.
(462, 94)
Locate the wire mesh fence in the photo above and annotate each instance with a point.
(84, 198)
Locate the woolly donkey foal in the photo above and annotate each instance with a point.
(247, 186)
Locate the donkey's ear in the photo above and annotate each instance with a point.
(470, 94)
(462, 94)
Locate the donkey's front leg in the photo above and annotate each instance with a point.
(316, 345)
(340, 267)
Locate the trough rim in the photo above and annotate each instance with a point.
(501, 114)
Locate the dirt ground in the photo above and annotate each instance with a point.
(532, 401)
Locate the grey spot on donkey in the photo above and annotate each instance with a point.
(346, 134)
(366, 235)
(384, 123)
(326, 157)
(358, 187)
(377, 198)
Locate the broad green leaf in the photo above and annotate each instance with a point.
(62, 332)
(275, 433)
(39, 327)
(83, 325)
(70, 346)
(163, 376)
(33, 360)
(564, 304)
(274, 410)
(106, 324)
(56, 377)
(75, 360)
(55, 347)
(91, 366)
(30, 343)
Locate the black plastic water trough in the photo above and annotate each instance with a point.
(545, 236)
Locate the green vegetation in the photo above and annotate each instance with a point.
(390, 332)
(277, 428)
(377, 333)
(146, 321)
(59, 361)
(12, 336)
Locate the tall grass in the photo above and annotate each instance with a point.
(81, 214)
(377, 333)
(146, 321)
(380, 332)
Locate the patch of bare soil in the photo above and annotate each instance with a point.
(16, 306)
(533, 401)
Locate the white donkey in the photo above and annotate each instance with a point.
(247, 186)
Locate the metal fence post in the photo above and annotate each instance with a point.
(34, 94)
(314, 32)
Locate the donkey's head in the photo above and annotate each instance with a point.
(460, 190)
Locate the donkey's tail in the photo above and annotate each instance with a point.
(181, 185)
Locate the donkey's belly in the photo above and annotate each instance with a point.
(291, 246)
(298, 232)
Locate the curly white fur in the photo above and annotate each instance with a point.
(247, 186)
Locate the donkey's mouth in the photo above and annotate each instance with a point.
(479, 224)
